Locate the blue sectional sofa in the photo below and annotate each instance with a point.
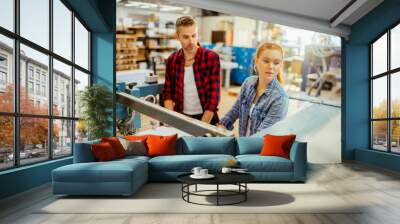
(125, 176)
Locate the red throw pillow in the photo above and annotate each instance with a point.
(116, 145)
(277, 145)
(161, 145)
(103, 151)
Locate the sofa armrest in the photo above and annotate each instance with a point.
(298, 155)
(83, 152)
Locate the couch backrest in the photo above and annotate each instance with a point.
(83, 153)
(249, 145)
(206, 145)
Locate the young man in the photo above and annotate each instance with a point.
(192, 76)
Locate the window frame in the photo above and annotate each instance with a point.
(16, 114)
(388, 74)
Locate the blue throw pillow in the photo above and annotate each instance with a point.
(207, 145)
(249, 145)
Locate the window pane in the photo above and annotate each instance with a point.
(33, 139)
(81, 131)
(62, 29)
(379, 98)
(34, 72)
(7, 14)
(81, 45)
(6, 142)
(395, 94)
(395, 47)
(35, 21)
(379, 135)
(6, 75)
(395, 136)
(62, 138)
(62, 89)
(379, 55)
(81, 81)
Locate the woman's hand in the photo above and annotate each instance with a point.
(221, 126)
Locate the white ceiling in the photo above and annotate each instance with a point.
(312, 15)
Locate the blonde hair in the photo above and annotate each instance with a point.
(184, 21)
(270, 46)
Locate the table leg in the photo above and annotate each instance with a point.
(217, 194)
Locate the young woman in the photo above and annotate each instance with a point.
(262, 101)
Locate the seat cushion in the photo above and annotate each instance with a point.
(185, 163)
(257, 163)
(111, 171)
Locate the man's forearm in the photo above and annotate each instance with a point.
(207, 116)
(169, 104)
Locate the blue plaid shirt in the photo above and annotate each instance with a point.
(270, 108)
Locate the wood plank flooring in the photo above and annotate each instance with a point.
(378, 189)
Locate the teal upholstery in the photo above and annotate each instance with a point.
(249, 145)
(184, 163)
(119, 177)
(257, 163)
(206, 145)
(126, 175)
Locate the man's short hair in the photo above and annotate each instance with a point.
(184, 21)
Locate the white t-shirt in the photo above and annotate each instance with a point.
(191, 100)
(249, 121)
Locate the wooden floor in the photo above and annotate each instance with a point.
(377, 188)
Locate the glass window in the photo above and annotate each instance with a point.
(81, 81)
(62, 29)
(395, 95)
(6, 142)
(7, 14)
(62, 137)
(40, 62)
(81, 131)
(62, 72)
(379, 135)
(81, 45)
(34, 144)
(395, 136)
(7, 75)
(379, 55)
(35, 21)
(379, 98)
(30, 87)
(395, 47)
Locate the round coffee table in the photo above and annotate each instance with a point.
(238, 179)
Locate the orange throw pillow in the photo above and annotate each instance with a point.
(277, 145)
(116, 145)
(136, 137)
(161, 145)
(103, 152)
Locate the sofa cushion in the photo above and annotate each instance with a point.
(103, 152)
(134, 147)
(249, 145)
(185, 163)
(277, 145)
(257, 163)
(112, 171)
(161, 145)
(116, 145)
(207, 145)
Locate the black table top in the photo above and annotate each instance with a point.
(220, 178)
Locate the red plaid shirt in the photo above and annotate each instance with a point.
(206, 70)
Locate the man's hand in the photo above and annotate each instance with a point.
(169, 104)
(207, 116)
